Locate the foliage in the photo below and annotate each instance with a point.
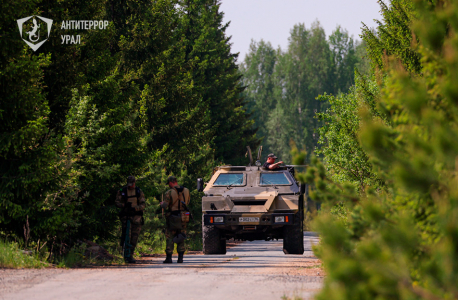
(400, 237)
(217, 79)
(393, 36)
(12, 257)
(157, 93)
(258, 71)
(74, 257)
(344, 157)
(32, 156)
(152, 237)
(282, 86)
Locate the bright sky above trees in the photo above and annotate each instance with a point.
(272, 20)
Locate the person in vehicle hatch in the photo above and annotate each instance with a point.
(270, 163)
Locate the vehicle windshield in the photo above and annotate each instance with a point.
(273, 179)
(229, 179)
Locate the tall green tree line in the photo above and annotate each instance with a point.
(388, 179)
(282, 86)
(155, 94)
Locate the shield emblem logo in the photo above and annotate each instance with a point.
(34, 30)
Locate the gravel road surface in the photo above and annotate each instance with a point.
(250, 270)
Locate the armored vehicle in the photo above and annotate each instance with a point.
(252, 203)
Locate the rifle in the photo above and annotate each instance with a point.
(127, 247)
(129, 211)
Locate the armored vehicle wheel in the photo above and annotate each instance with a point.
(212, 242)
(293, 238)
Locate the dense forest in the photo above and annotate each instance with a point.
(283, 86)
(157, 93)
(160, 93)
(388, 176)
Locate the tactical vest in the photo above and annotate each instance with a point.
(129, 196)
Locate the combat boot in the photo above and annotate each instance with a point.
(168, 260)
(180, 257)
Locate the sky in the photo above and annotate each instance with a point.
(272, 20)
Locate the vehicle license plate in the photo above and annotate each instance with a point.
(248, 219)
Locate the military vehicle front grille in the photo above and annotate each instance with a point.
(249, 202)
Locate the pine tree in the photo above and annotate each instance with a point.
(400, 237)
(216, 74)
(156, 93)
(34, 185)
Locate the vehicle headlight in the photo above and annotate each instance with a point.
(219, 219)
(280, 219)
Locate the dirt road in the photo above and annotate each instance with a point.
(251, 270)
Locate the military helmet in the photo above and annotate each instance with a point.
(130, 180)
(179, 238)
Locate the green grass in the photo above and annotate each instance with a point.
(153, 242)
(74, 258)
(12, 257)
(295, 297)
(150, 242)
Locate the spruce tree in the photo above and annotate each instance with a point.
(216, 75)
(399, 239)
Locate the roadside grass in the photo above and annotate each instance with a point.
(74, 258)
(153, 242)
(319, 266)
(194, 241)
(13, 257)
(311, 213)
(78, 257)
(295, 297)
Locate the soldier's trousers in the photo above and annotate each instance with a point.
(135, 228)
(169, 235)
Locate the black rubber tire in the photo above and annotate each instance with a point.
(293, 237)
(212, 241)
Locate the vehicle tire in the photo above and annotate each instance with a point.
(293, 237)
(212, 241)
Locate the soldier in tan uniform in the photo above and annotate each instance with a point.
(132, 201)
(172, 205)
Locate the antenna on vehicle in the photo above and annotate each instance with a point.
(248, 152)
(259, 153)
(258, 159)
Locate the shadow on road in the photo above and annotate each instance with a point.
(252, 255)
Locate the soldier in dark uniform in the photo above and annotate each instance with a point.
(173, 205)
(270, 163)
(132, 201)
